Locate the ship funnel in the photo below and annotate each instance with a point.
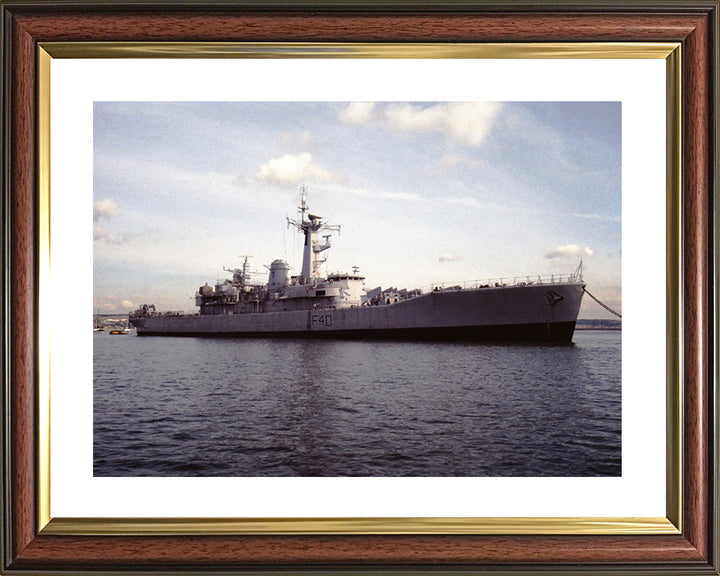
(279, 276)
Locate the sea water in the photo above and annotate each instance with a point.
(167, 406)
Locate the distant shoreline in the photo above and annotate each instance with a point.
(598, 325)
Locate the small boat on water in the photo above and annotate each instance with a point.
(98, 326)
(122, 331)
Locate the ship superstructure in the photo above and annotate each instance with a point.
(532, 308)
(307, 291)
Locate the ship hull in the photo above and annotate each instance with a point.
(531, 313)
(548, 332)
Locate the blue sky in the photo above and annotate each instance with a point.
(425, 192)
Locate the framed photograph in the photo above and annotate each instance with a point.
(495, 180)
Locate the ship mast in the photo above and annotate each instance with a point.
(241, 275)
(312, 248)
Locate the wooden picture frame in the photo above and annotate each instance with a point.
(29, 547)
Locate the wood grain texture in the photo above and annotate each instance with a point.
(56, 552)
(369, 28)
(23, 286)
(696, 197)
(219, 551)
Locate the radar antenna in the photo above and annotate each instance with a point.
(303, 205)
(242, 275)
(310, 227)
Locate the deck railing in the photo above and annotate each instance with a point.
(502, 282)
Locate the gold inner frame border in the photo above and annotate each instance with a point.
(670, 524)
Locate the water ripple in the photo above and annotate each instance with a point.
(208, 407)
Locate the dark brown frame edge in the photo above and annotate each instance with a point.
(26, 23)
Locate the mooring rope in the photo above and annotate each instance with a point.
(601, 304)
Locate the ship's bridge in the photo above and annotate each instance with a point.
(352, 286)
(337, 276)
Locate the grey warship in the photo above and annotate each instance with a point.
(310, 305)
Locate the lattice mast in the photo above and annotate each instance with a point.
(242, 275)
(312, 247)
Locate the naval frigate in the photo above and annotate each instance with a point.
(310, 305)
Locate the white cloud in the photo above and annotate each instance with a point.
(113, 304)
(569, 251)
(104, 209)
(292, 169)
(100, 233)
(448, 257)
(466, 122)
(357, 113)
